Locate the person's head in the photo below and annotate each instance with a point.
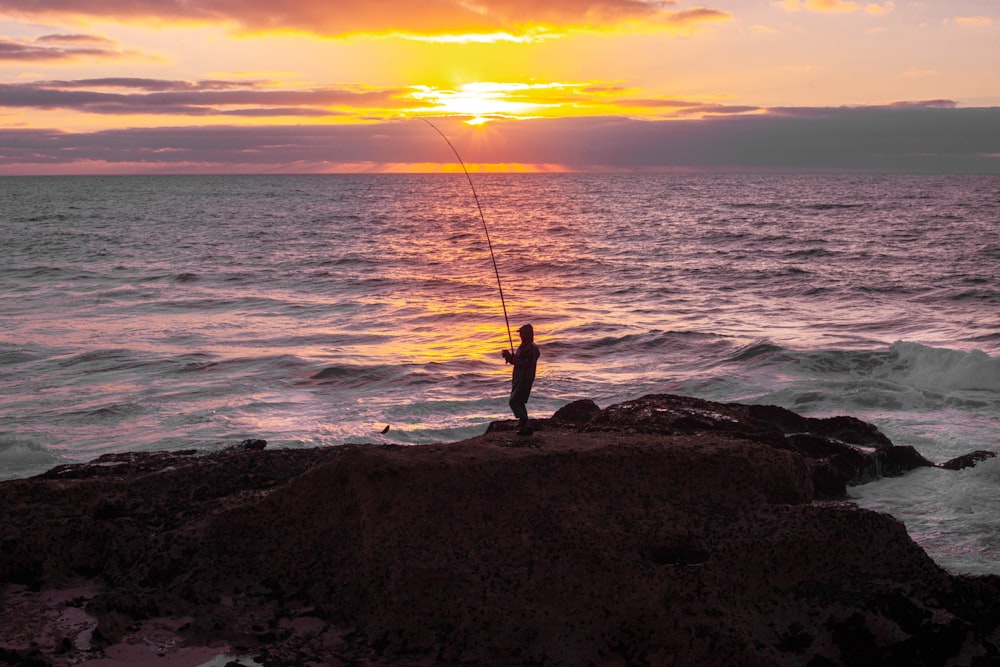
(527, 333)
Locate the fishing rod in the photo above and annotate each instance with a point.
(485, 229)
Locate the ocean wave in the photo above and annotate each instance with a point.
(889, 289)
(19, 455)
(46, 272)
(104, 413)
(255, 303)
(104, 360)
(755, 350)
(10, 356)
(811, 252)
(941, 368)
(766, 206)
(832, 206)
(905, 378)
(630, 342)
(985, 295)
(987, 338)
(356, 376)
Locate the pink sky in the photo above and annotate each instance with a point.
(152, 86)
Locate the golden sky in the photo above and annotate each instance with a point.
(334, 85)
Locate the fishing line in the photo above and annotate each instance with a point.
(485, 229)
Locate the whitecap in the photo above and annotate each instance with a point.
(941, 368)
(20, 456)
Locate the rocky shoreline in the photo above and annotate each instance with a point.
(662, 531)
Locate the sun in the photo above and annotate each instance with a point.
(481, 100)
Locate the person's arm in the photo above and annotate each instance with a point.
(530, 356)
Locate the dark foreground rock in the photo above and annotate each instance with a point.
(664, 531)
(968, 460)
(840, 451)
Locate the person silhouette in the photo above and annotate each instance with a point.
(525, 361)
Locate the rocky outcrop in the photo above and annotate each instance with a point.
(968, 460)
(657, 532)
(840, 451)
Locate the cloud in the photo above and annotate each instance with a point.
(125, 96)
(931, 136)
(150, 84)
(692, 17)
(74, 40)
(340, 18)
(878, 9)
(59, 48)
(261, 98)
(921, 104)
(973, 21)
(859, 111)
(680, 108)
(820, 5)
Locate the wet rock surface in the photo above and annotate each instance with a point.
(968, 460)
(663, 531)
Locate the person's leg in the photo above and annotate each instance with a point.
(520, 411)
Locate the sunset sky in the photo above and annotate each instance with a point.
(290, 86)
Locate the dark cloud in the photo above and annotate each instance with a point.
(56, 48)
(925, 104)
(343, 17)
(133, 95)
(74, 39)
(890, 138)
(828, 112)
(148, 84)
(193, 99)
(685, 107)
(274, 112)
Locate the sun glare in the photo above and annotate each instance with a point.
(483, 38)
(483, 101)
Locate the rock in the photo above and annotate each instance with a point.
(896, 460)
(967, 460)
(665, 531)
(24, 658)
(255, 445)
(845, 429)
(577, 412)
(842, 450)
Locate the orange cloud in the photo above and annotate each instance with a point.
(484, 101)
(820, 5)
(974, 21)
(877, 9)
(502, 18)
(253, 100)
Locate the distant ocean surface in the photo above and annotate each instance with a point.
(175, 312)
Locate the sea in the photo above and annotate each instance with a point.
(142, 313)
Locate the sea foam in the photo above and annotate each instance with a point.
(942, 369)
